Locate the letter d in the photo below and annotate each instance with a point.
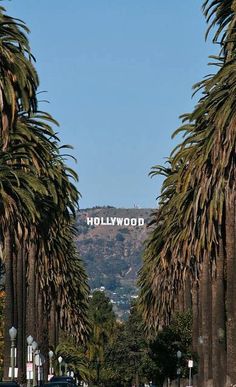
(140, 221)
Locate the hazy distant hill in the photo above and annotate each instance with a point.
(112, 252)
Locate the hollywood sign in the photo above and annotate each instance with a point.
(113, 221)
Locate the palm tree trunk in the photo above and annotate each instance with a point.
(21, 342)
(231, 290)
(206, 321)
(31, 291)
(42, 330)
(195, 309)
(187, 293)
(200, 337)
(196, 348)
(52, 327)
(218, 321)
(9, 300)
(180, 305)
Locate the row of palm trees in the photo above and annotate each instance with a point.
(45, 283)
(190, 257)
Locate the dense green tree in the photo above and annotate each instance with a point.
(132, 359)
(164, 347)
(102, 319)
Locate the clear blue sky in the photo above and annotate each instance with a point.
(118, 73)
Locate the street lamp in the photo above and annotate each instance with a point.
(29, 340)
(50, 355)
(34, 348)
(179, 355)
(190, 366)
(59, 361)
(29, 366)
(13, 334)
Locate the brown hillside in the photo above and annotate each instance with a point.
(112, 253)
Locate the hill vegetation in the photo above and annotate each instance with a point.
(112, 254)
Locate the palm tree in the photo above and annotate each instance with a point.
(18, 84)
(36, 196)
(56, 279)
(18, 78)
(16, 205)
(49, 271)
(197, 232)
(74, 357)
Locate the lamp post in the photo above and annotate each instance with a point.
(179, 355)
(51, 370)
(34, 348)
(13, 334)
(29, 366)
(59, 361)
(190, 366)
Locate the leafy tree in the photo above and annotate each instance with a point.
(164, 347)
(102, 320)
(120, 354)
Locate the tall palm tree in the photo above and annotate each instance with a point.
(198, 228)
(36, 182)
(52, 280)
(18, 84)
(17, 204)
(44, 250)
(18, 78)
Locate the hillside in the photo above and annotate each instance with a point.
(110, 241)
